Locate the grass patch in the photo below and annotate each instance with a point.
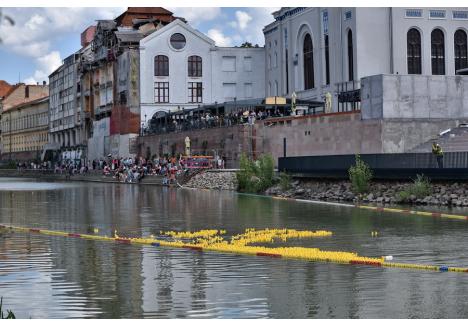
(420, 188)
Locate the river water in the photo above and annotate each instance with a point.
(44, 276)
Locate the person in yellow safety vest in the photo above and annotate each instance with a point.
(439, 154)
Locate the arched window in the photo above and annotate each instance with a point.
(461, 58)
(276, 88)
(350, 56)
(161, 65)
(308, 54)
(437, 52)
(413, 51)
(195, 66)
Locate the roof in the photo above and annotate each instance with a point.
(148, 10)
(129, 36)
(23, 104)
(4, 88)
(12, 89)
(176, 22)
(143, 11)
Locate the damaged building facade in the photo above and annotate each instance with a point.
(110, 80)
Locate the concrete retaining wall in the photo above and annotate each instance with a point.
(414, 97)
(229, 142)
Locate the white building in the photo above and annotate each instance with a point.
(182, 68)
(312, 51)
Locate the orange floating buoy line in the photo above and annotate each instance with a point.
(248, 243)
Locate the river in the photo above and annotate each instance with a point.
(44, 276)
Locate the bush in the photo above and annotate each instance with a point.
(255, 176)
(420, 188)
(284, 181)
(360, 176)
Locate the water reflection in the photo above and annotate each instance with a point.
(54, 277)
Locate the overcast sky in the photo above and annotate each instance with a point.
(43, 37)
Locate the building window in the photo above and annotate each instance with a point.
(229, 91)
(276, 88)
(437, 14)
(413, 51)
(348, 15)
(456, 14)
(308, 54)
(195, 66)
(161, 65)
(229, 63)
(437, 52)
(327, 61)
(286, 59)
(460, 45)
(248, 90)
(195, 93)
(178, 41)
(247, 63)
(413, 13)
(276, 59)
(161, 92)
(350, 56)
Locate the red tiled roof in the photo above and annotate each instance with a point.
(4, 88)
(12, 88)
(159, 12)
(148, 10)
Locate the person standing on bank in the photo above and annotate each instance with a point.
(439, 154)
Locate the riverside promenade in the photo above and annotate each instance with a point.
(90, 176)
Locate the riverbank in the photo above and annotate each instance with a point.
(214, 180)
(92, 176)
(381, 192)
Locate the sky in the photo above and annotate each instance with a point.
(42, 37)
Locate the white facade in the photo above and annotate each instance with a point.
(226, 74)
(378, 46)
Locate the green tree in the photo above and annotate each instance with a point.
(360, 176)
(248, 45)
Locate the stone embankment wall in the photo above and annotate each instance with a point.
(382, 192)
(215, 179)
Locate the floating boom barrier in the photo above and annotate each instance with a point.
(211, 240)
(379, 209)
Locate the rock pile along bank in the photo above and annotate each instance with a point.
(381, 192)
(217, 180)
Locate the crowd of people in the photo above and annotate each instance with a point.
(135, 169)
(210, 120)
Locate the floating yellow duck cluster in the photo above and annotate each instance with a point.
(213, 240)
(206, 234)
